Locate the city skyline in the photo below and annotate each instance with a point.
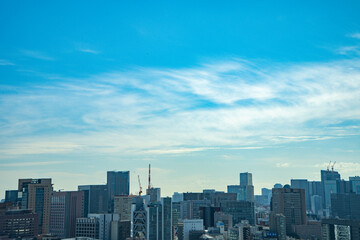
(201, 91)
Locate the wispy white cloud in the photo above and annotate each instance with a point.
(37, 55)
(348, 50)
(28, 164)
(355, 35)
(283, 165)
(88, 50)
(229, 105)
(4, 62)
(346, 168)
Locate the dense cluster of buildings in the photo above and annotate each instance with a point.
(327, 209)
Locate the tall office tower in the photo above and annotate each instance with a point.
(246, 179)
(339, 229)
(355, 184)
(154, 194)
(303, 184)
(19, 224)
(266, 193)
(207, 214)
(167, 218)
(345, 206)
(36, 194)
(291, 203)
(105, 221)
(191, 209)
(122, 206)
(176, 216)
(152, 220)
(240, 210)
(277, 224)
(328, 181)
(188, 225)
(95, 198)
(316, 205)
(65, 207)
(87, 227)
(244, 193)
(118, 183)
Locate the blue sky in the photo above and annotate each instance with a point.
(202, 90)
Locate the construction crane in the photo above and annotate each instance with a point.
(332, 167)
(139, 186)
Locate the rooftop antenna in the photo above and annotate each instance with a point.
(332, 167)
(149, 177)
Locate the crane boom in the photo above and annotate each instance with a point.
(139, 186)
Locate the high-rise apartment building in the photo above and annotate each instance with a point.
(118, 183)
(36, 195)
(65, 207)
(291, 203)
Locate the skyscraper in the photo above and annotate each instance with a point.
(36, 194)
(122, 206)
(303, 184)
(246, 179)
(95, 198)
(345, 206)
(291, 203)
(154, 194)
(65, 207)
(244, 191)
(329, 186)
(118, 183)
(355, 184)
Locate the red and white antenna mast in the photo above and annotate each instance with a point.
(149, 186)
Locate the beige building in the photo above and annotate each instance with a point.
(122, 206)
(36, 195)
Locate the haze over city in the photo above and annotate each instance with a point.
(202, 90)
